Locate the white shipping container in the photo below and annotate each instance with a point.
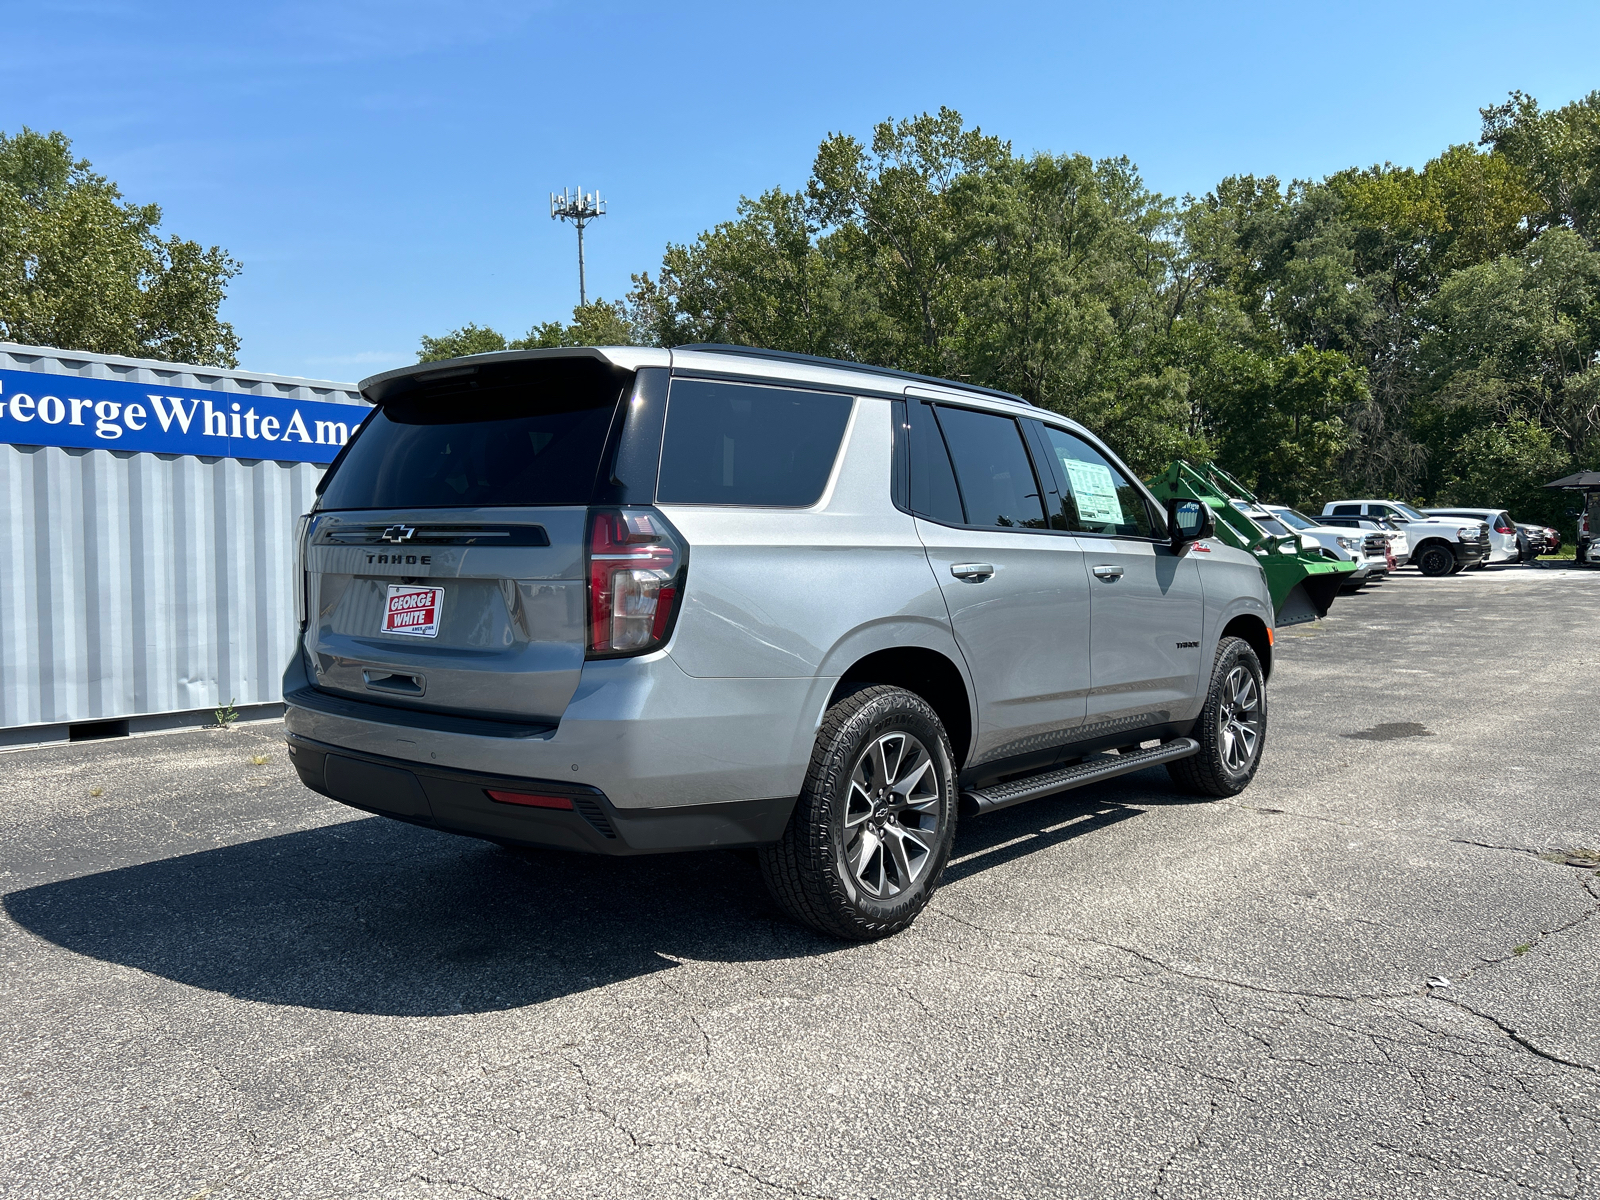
(144, 587)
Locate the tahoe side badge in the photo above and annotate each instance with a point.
(413, 611)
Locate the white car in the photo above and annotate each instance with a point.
(1369, 549)
(1393, 531)
(1504, 543)
(1344, 545)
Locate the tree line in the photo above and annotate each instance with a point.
(1426, 334)
(1430, 334)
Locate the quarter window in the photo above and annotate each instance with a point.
(731, 443)
(998, 487)
(1102, 499)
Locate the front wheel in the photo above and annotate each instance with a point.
(1232, 729)
(1436, 559)
(873, 827)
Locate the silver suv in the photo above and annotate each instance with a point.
(635, 600)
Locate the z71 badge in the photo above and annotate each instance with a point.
(413, 611)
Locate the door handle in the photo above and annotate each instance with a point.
(977, 572)
(1109, 573)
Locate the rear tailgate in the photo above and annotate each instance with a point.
(445, 568)
(478, 611)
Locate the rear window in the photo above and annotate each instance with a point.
(733, 443)
(524, 435)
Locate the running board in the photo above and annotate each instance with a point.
(1092, 770)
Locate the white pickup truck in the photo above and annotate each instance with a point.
(1439, 545)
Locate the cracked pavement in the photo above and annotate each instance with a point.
(1359, 979)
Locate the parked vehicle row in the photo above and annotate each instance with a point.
(1369, 549)
(1439, 545)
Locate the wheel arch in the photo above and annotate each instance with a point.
(1254, 631)
(926, 673)
(1431, 540)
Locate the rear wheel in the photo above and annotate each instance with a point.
(1436, 559)
(872, 829)
(1232, 729)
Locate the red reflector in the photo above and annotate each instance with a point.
(529, 799)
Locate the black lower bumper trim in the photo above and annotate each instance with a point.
(458, 802)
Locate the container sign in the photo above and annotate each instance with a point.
(413, 610)
(39, 408)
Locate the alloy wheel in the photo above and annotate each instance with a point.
(891, 822)
(1240, 719)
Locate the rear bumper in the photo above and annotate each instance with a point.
(458, 802)
(638, 730)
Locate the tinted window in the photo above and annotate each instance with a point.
(731, 443)
(933, 482)
(1102, 500)
(532, 440)
(1347, 510)
(993, 469)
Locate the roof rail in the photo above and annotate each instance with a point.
(819, 360)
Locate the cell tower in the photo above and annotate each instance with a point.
(580, 209)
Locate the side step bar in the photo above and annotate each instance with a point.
(1094, 769)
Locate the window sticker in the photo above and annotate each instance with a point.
(1095, 490)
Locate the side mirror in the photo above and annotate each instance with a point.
(1189, 521)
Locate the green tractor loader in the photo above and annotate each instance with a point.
(1302, 578)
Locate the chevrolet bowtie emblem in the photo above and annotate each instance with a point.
(398, 533)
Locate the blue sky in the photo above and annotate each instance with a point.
(382, 168)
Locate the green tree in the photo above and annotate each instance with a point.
(597, 324)
(1280, 422)
(83, 269)
(1558, 151)
(458, 343)
(1505, 464)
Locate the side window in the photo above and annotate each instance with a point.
(1383, 510)
(993, 469)
(735, 443)
(933, 482)
(1102, 498)
(1347, 510)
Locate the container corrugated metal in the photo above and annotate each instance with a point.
(134, 584)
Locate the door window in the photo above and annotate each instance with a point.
(933, 481)
(1102, 500)
(993, 470)
(1347, 510)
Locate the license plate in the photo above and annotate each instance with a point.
(413, 611)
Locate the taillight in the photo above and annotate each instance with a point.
(1503, 526)
(636, 568)
(302, 581)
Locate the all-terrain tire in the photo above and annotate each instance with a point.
(1217, 770)
(1436, 560)
(812, 873)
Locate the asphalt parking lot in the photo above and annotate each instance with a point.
(1373, 975)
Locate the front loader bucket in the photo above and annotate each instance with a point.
(1308, 599)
